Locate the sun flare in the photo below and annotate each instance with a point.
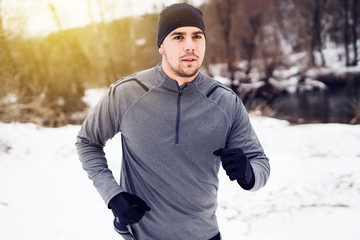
(40, 17)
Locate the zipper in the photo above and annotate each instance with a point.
(178, 117)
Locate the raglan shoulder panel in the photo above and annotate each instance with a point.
(226, 100)
(127, 91)
(105, 119)
(134, 85)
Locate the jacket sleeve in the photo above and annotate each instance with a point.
(242, 135)
(101, 125)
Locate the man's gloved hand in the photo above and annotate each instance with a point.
(237, 166)
(128, 208)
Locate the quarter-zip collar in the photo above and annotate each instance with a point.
(173, 85)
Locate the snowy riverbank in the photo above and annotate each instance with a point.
(313, 191)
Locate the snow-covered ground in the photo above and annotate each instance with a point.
(313, 191)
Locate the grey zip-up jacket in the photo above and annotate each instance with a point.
(169, 135)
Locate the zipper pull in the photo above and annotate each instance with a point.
(180, 92)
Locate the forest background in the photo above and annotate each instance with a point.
(250, 43)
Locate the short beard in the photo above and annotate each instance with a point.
(177, 70)
(181, 73)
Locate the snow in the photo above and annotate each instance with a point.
(288, 78)
(313, 191)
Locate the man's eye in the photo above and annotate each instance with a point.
(178, 37)
(197, 36)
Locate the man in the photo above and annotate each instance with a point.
(177, 125)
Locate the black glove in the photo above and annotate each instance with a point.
(237, 166)
(128, 208)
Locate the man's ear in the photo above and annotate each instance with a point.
(161, 49)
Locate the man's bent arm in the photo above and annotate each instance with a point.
(93, 161)
(244, 136)
(101, 125)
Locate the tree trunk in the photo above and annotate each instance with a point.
(354, 32)
(316, 42)
(4, 46)
(255, 22)
(346, 32)
(225, 11)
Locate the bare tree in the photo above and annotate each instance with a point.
(56, 17)
(7, 63)
(354, 31)
(316, 42)
(3, 40)
(225, 13)
(346, 31)
(249, 23)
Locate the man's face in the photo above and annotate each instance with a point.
(183, 52)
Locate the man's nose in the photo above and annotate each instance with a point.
(189, 45)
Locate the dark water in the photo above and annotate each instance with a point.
(337, 104)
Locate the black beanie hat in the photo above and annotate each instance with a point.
(178, 15)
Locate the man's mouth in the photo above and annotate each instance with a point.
(189, 59)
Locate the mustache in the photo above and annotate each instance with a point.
(189, 55)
